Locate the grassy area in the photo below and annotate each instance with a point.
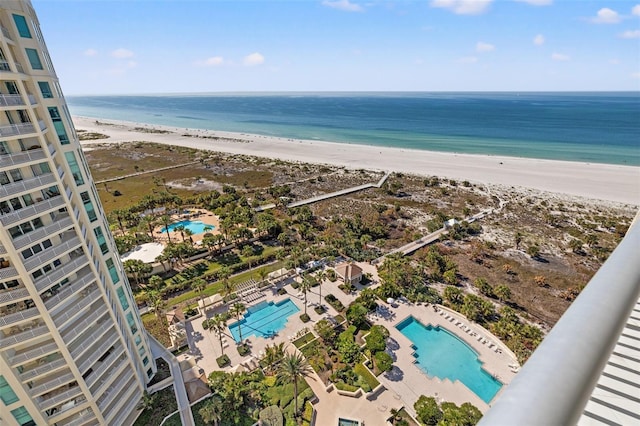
(362, 371)
(303, 340)
(165, 404)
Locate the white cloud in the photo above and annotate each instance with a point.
(559, 57)
(253, 59)
(537, 2)
(463, 7)
(606, 16)
(635, 10)
(214, 61)
(538, 40)
(122, 53)
(468, 60)
(90, 52)
(630, 34)
(345, 5)
(484, 47)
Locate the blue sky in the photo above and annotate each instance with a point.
(145, 46)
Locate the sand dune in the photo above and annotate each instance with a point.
(590, 180)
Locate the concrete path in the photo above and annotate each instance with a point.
(159, 351)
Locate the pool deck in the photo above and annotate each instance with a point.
(403, 385)
(205, 216)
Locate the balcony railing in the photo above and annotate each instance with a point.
(81, 419)
(93, 338)
(51, 384)
(49, 403)
(17, 129)
(59, 273)
(42, 369)
(14, 295)
(23, 336)
(122, 414)
(8, 272)
(104, 366)
(555, 384)
(52, 302)
(74, 309)
(28, 185)
(108, 341)
(22, 158)
(5, 32)
(18, 316)
(34, 353)
(36, 209)
(11, 100)
(4, 66)
(87, 322)
(61, 223)
(113, 390)
(51, 253)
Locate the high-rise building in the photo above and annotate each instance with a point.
(72, 347)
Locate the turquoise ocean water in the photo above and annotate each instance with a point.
(588, 127)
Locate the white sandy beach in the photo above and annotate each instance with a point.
(589, 180)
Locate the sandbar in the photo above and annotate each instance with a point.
(607, 182)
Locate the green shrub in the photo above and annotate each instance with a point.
(319, 310)
(282, 291)
(244, 349)
(223, 360)
(367, 377)
(305, 318)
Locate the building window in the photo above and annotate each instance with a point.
(58, 125)
(132, 324)
(88, 206)
(102, 242)
(141, 350)
(113, 271)
(75, 169)
(149, 373)
(145, 360)
(138, 339)
(123, 298)
(34, 59)
(22, 417)
(45, 89)
(6, 393)
(22, 26)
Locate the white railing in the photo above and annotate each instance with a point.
(34, 353)
(68, 290)
(13, 295)
(22, 157)
(59, 273)
(61, 223)
(18, 316)
(17, 129)
(51, 253)
(108, 341)
(29, 184)
(53, 383)
(49, 366)
(555, 384)
(38, 208)
(11, 100)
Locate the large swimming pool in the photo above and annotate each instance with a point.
(440, 353)
(264, 319)
(195, 226)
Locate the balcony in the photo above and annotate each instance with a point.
(8, 272)
(112, 391)
(52, 383)
(61, 223)
(86, 322)
(79, 419)
(104, 366)
(5, 32)
(18, 335)
(54, 252)
(37, 209)
(20, 129)
(4, 66)
(31, 354)
(52, 301)
(12, 318)
(22, 158)
(47, 404)
(125, 412)
(88, 342)
(108, 341)
(3, 249)
(42, 369)
(59, 273)
(84, 302)
(11, 100)
(13, 296)
(28, 185)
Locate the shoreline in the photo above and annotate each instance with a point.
(597, 181)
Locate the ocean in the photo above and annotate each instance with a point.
(585, 127)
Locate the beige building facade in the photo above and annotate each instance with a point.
(72, 347)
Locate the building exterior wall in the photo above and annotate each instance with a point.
(72, 347)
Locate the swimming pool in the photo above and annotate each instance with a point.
(264, 319)
(347, 422)
(441, 354)
(195, 226)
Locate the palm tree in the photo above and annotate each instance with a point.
(262, 274)
(236, 310)
(156, 302)
(149, 222)
(218, 324)
(147, 401)
(272, 355)
(212, 411)
(199, 285)
(322, 275)
(181, 229)
(293, 367)
(305, 286)
(165, 221)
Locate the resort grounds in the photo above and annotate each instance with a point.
(402, 386)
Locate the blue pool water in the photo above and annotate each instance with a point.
(195, 226)
(442, 354)
(347, 422)
(264, 319)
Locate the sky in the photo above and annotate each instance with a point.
(182, 46)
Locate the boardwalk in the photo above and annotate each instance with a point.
(328, 195)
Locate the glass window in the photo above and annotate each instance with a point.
(88, 206)
(145, 360)
(101, 240)
(6, 393)
(141, 350)
(34, 59)
(132, 323)
(75, 169)
(58, 125)
(112, 271)
(22, 417)
(45, 89)
(149, 373)
(22, 26)
(123, 298)
(138, 338)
